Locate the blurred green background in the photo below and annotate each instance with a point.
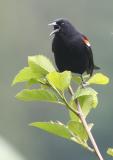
(23, 32)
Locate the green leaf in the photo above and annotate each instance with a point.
(79, 134)
(60, 81)
(37, 95)
(30, 83)
(56, 128)
(110, 151)
(72, 115)
(24, 75)
(99, 78)
(78, 129)
(40, 65)
(61, 130)
(84, 92)
(78, 79)
(87, 98)
(84, 144)
(87, 103)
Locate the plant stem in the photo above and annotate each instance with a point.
(80, 114)
(65, 101)
(83, 120)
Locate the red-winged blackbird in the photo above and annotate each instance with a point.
(72, 50)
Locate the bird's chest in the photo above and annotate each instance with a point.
(67, 49)
(59, 47)
(69, 55)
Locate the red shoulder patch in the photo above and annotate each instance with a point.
(86, 41)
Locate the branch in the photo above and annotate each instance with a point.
(84, 122)
(65, 101)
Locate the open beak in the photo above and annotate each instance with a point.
(55, 30)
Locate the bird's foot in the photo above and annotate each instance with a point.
(84, 84)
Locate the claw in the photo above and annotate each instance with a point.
(83, 83)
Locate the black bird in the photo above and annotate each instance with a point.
(72, 50)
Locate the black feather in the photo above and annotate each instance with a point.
(70, 49)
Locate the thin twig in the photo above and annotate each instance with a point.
(83, 120)
(68, 105)
(64, 100)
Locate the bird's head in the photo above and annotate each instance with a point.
(62, 26)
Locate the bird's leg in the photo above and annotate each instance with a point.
(82, 78)
(83, 83)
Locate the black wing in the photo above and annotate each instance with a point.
(89, 54)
